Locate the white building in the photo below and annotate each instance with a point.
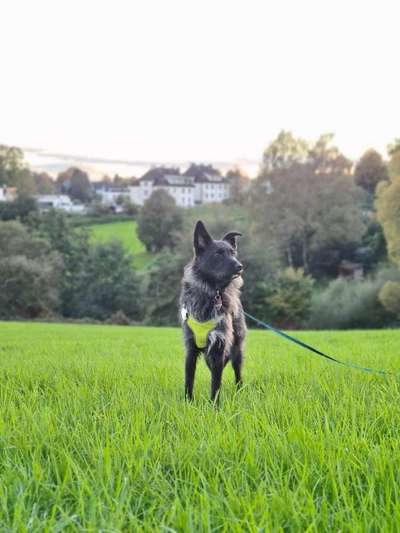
(58, 201)
(186, 190)
(7, 194)
(109, 194)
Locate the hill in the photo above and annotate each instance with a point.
(126, 232)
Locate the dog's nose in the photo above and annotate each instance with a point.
(239, 268)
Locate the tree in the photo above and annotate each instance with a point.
(312, 208)
(159, 221)
(370, 170)
(394, 163)
(239, 183)
(13, 171)
(107, 284)
(29, 273)
(75, 182)
(44, 183)
(19, 209)
(283, 152)
(72, 244)
(388, 213)
(163, 288)
(96, 280)
(324, 158)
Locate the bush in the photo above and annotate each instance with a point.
(352, 304)
(107, 283)
(290, 302)
(29, 273)
(19, 209)
(389, 297)
(119, 319)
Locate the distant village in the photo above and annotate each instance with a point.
(199, 184)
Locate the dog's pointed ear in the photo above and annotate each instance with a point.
(201, 238)
(231, 238)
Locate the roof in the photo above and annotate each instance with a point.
(158, 172)
(161, 178)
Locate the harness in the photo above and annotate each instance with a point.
(199, 329)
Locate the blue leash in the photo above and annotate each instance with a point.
(308, 347)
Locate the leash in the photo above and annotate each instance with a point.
(314, 350)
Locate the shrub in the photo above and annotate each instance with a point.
(29, 273)
(389, 297)
(107, 283)
(119, 319)
(351, 304)
(290, 301)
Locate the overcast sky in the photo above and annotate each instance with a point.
(197, 79)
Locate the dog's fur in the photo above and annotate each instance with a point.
(214, 267)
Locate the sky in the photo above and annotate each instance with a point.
(181, 80)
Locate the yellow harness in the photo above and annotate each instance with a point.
(200, 330)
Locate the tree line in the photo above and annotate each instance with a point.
(308, 210)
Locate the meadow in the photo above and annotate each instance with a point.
(96, 436)
(126, 233)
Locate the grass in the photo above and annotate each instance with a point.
(95, 435)
(126, 232)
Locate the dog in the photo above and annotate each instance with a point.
(212, 315)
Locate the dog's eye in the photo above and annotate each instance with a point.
(219, 252)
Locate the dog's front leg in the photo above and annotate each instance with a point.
(215, 360)
(190, 370)
(216, 377)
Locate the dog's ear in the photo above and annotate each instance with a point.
(201, 238)
(231, 238)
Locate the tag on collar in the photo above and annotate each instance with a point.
(218, 300)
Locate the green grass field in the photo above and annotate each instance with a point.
(126, 232)
(95, 434)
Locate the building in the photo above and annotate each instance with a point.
(58, 201)
(181, 188)
(351, 271)
(111, 194)
(7, 194)
(187, 190)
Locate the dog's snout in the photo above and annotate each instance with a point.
(239, 268)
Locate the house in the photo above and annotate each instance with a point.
(351, 271)
(7, 194)
(187, 189)
(181, 188)
(110, 194)
(58, 201)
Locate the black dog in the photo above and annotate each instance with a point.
(212, 314)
